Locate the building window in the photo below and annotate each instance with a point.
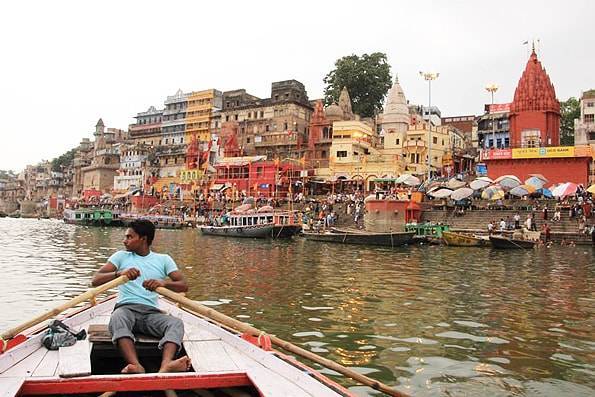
(398, 141)
(341, 153)
(323, 154)
(266, 128)
(590, 104)
(285, 126)
(435, 140)
(235, 117)
(226, 118)
(261, 114)
(589, 118)
(248, 140)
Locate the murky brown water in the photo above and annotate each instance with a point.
(437, 321)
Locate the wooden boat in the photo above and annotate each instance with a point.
(346, 236)
(464, 240)
(222, 362)
(255, 225)
(92, 217)
(511, 243)
(160, 221)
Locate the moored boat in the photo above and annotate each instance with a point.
(346, 236)
(224, 361)
(92, 217)
(511, 243)
(464, 240)
(255, 224)
(160, 221)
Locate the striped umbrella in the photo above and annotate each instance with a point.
(564, 189)
(494, 192)
(523, 190)
(535, 181)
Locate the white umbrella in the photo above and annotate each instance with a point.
(461, 193)
(454, 183)
(480, 183)
(403, 178)
(412, 181)
(440, 192)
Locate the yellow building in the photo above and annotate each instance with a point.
(354, 155)
(201, 105)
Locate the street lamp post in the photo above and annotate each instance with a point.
(429, 77)
(492, 88)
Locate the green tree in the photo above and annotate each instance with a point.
(367, 78)
(63, 161)
(569, 110)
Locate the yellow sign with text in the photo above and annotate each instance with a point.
(543, 152)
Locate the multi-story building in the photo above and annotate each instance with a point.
(493, 128)
(201, 106)
(133, 167)
(584, 127)
(173, 123)
(276, 127)
(147, 129)
(82, 158)
(467, 125)
(99, 175)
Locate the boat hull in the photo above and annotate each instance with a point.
(463, 240)
(285, 231)
(362, 238)
(252, 231)
(508, 243)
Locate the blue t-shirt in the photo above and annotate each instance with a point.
(153, 266)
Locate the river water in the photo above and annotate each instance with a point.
(430, 320)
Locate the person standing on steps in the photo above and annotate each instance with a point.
(136, 309)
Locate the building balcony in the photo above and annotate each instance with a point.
(413, 144)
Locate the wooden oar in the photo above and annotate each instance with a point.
(243, 327)
(90, 294)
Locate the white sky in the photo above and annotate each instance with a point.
(64, 64)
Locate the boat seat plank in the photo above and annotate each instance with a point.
(75, 360)
(270, 384)
(195, 333)
(48, 365)
(209, 356)
(99, 333)
(9, 387)
(26, 366)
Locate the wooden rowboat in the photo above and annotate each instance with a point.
(345, 236)
(511, 243)
(464, 240)
(223, 362)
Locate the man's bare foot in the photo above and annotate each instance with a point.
(133, 369)
(182, 364)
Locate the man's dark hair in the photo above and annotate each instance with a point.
(144, 228)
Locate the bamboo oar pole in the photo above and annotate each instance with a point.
(90, 294)
(243, 327)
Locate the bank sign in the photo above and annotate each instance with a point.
(543, 152)
(528, 153)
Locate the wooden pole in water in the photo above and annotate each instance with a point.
(243, 327)
(90, 294)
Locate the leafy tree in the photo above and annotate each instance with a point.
(63, 161)
(569, 110)
(367, 78)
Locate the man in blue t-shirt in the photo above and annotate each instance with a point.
(136, 309)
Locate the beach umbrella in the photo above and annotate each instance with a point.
(535, 181)
(441, 192)
(454, 183)
(591, 189)
(508, 181)
(461, 193)
(480, 183)
(523, 190)
(564, 189)
(547, 193)
(412, 181)
(494, 192)
(402, 178)
(540, 176)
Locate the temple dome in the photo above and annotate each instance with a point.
(334, 113)
(396, 112)
(535, 91)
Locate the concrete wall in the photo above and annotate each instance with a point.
(571, 169)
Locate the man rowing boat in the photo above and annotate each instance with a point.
(136, 309)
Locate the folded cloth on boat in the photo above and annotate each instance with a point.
(60, 335)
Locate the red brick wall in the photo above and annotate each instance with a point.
(556, 170)
(545, 122)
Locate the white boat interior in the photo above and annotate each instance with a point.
(216, 354)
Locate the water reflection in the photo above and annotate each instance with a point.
(432, 320)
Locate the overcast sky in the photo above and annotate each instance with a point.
(64, 64)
